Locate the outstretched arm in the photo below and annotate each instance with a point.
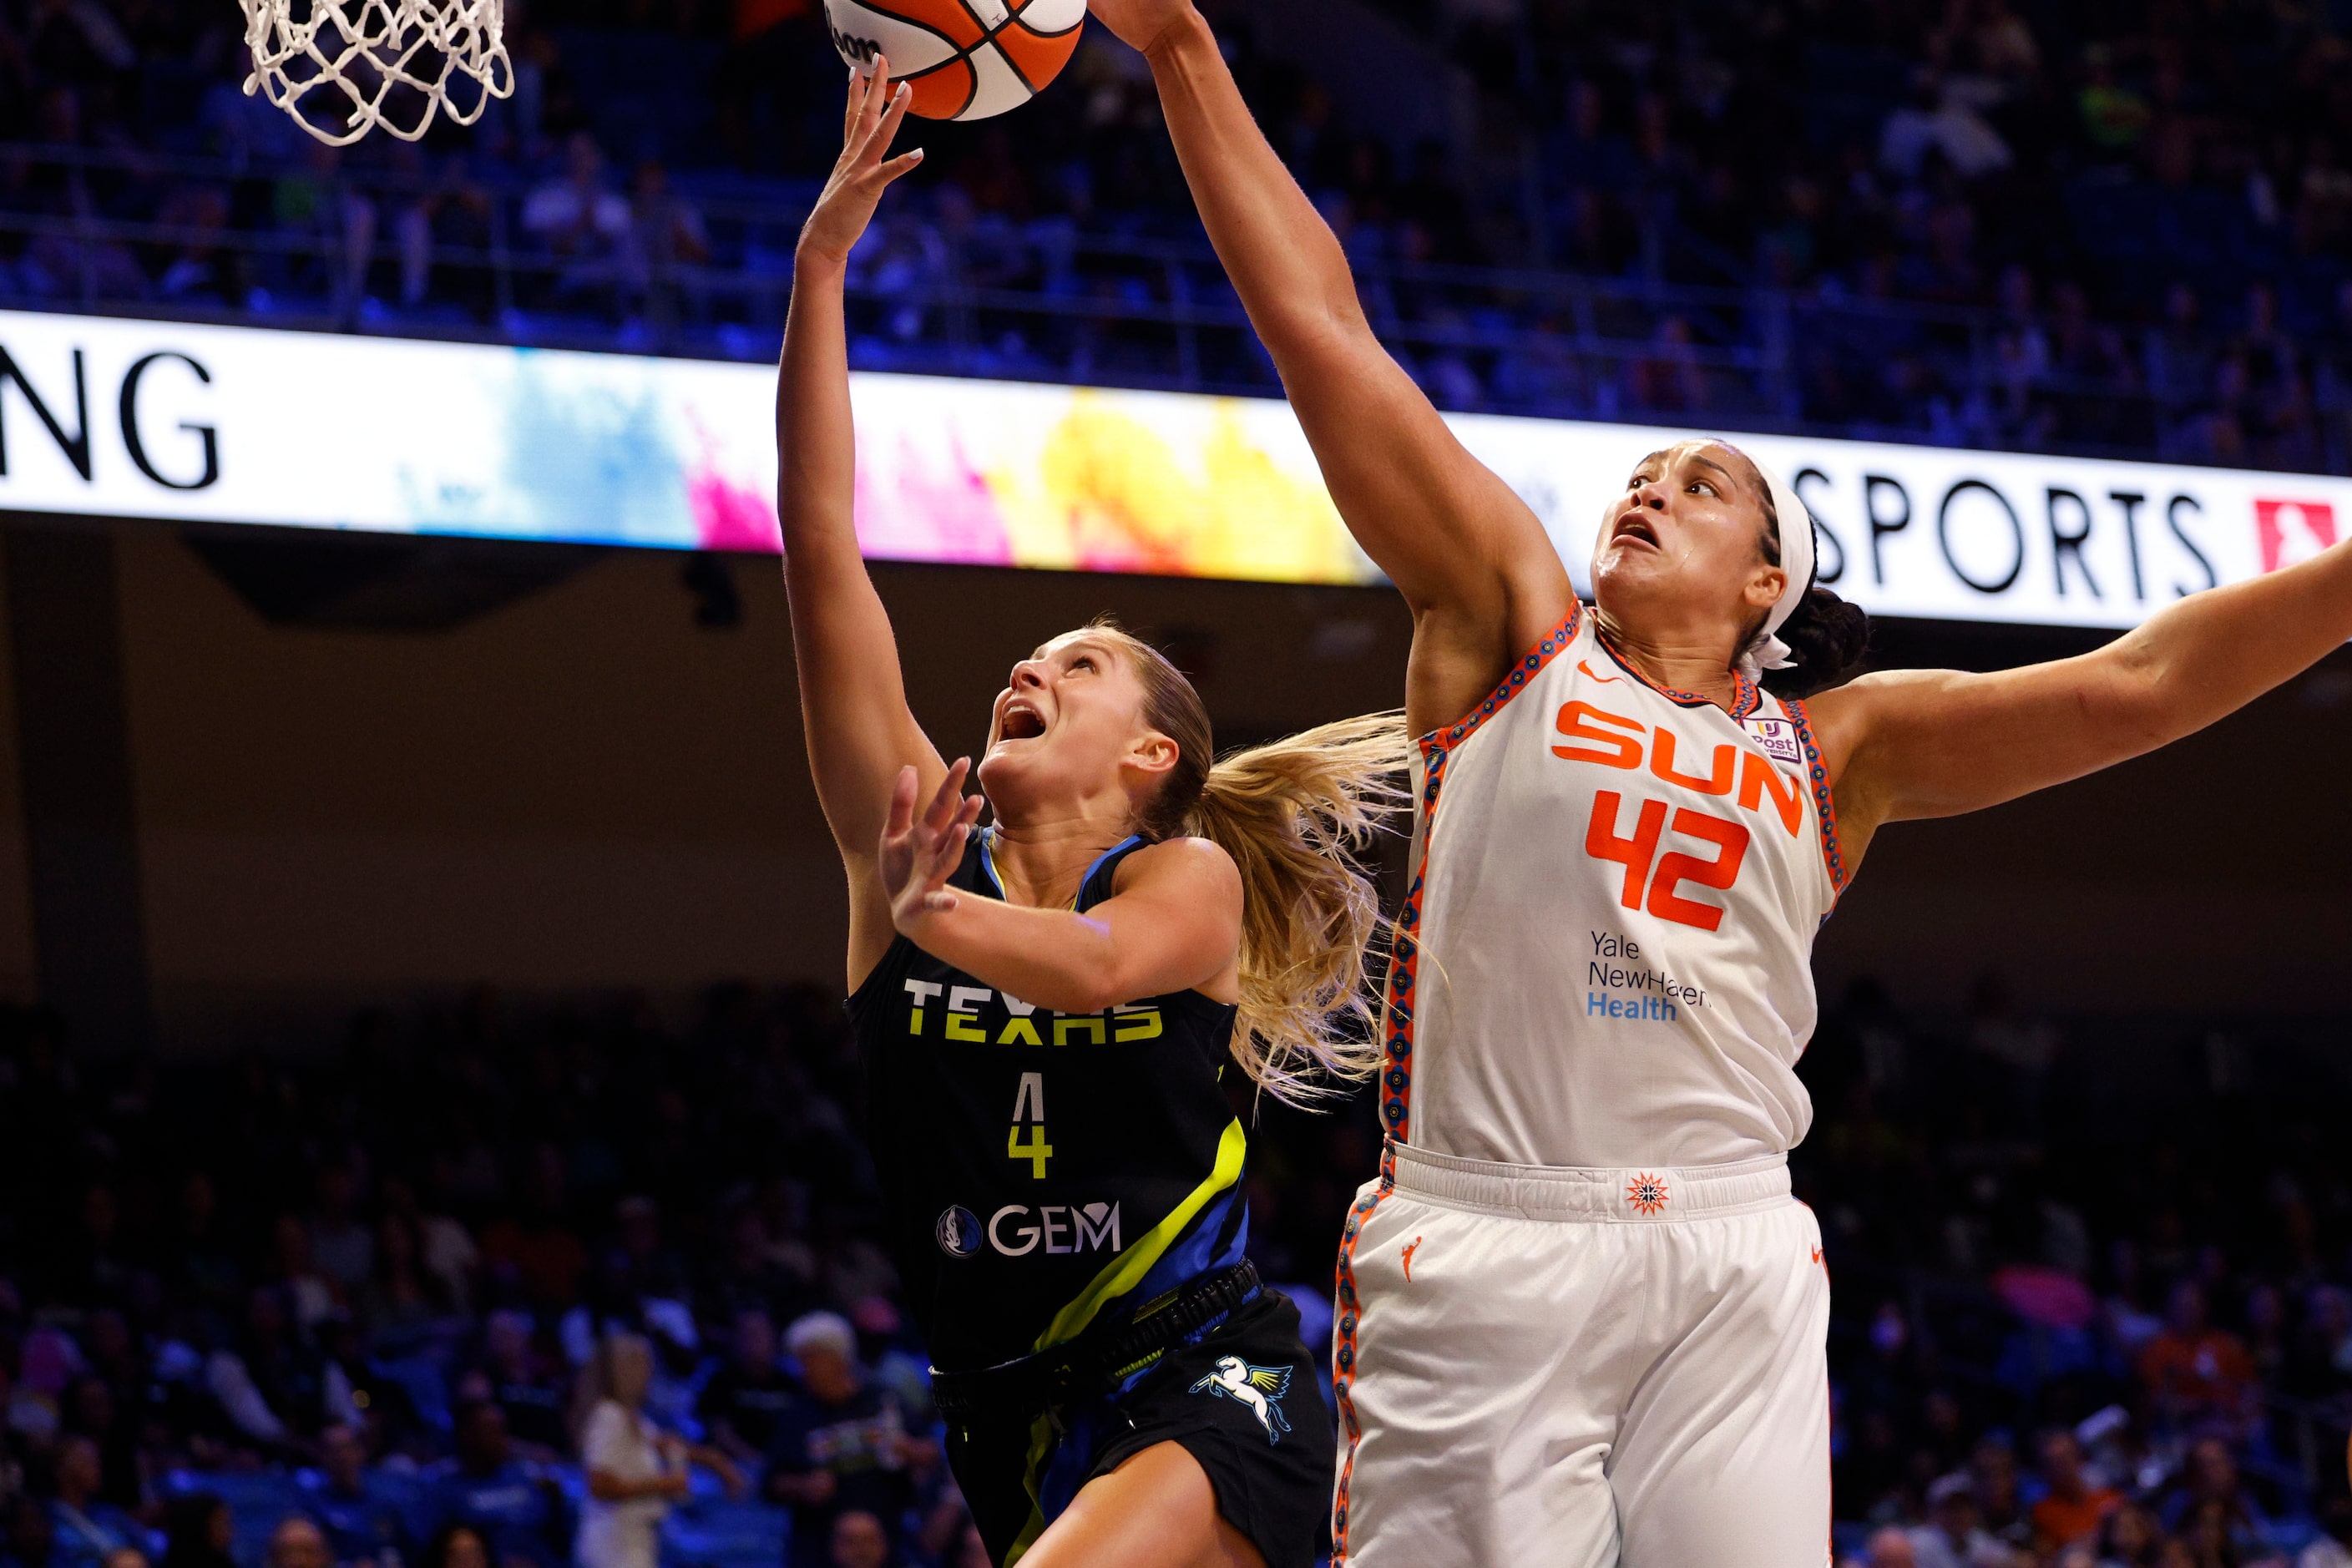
(1173, 924)
(852, 700)
(1471, 560)
(1938, 743)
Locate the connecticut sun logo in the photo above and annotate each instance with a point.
(1647, 1193)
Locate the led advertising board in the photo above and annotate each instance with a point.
(145, 419)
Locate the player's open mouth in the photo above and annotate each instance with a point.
(1020, 723)
(1634, 526)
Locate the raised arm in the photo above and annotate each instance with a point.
(1471, 560)
(1917, 743)
(852, 700)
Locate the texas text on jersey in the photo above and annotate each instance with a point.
(1043, 1170)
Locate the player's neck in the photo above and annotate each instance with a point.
(1042, 861)
(1678, 659)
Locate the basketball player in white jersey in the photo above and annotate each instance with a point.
(1581, 1320)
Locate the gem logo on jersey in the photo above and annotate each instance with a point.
(958, 1232)
(1260, 1388)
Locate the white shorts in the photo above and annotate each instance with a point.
(1582, 1368)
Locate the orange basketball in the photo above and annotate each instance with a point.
(964, 59)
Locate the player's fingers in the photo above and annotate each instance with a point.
(948, 855)
(902, 806)
(885, 125)
(903, 164)
(901, 97)
(948, 801)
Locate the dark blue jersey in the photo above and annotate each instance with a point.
(1043, 1170)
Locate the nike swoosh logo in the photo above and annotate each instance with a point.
(1604, 679)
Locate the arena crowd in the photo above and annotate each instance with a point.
(494, 1285)
(1997, 223)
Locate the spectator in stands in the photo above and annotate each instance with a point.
(456, 1546)
(524, 1385)
(197, 1529)
(310, 1295)
(745, 1398)
(399, 1299)
(1888, 1548)
(88, 1409)
(85, 1530)
(1992, 1463)
(634, 1470)
(1954, 1535)
(633, 1474)
(340, 1245)
(2072, 1506)
(582, 223)
(511, 1503)
(858, 1540)
(2197, 1374)
(2131, 1539)
(361, 1517)
(2208, 1500)
(842, 1446)
(666, 239)
(299, 1542)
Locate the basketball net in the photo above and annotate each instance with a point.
(344, 68)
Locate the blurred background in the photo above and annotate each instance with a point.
(423, 955)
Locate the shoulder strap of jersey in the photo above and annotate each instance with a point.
(1101, 875)
(978, 872)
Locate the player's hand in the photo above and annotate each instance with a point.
(1139, 24)
(860, 175)
(918, 853)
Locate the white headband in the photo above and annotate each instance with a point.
(1767, 651)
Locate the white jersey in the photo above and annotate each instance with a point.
(1605, 955)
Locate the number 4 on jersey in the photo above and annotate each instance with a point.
(1029, 1107)
(1644, 868)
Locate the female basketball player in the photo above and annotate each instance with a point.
(1581, 1320)
(1044, 1008)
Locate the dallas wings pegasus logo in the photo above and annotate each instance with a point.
(1260, 1388)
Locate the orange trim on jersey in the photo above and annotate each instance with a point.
(1746, 696)
(1343, 1349)
(1404, 946)
(1824, 802)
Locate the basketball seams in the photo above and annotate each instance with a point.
(1031, 57)
(1009, 59)
(883, 8)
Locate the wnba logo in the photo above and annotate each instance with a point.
(2292, 530)
(958, 1232)
(858, 51)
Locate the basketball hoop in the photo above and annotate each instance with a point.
(343, 67)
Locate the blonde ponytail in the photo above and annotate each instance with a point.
(1293, 814)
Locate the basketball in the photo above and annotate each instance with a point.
(962, 59)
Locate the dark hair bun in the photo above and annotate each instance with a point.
(1829, 638)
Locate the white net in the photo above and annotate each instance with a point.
(344, 68)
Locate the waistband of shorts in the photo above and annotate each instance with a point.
(1651, 1194)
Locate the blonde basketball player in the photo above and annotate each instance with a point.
(1580, 1320)
(1045, 1007)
